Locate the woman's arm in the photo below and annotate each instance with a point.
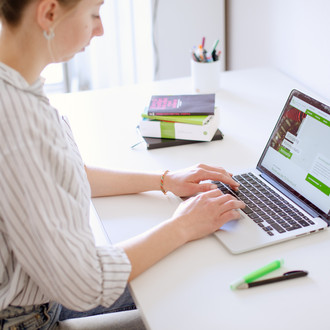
(195, 218)
(186, 182)
(105, 182)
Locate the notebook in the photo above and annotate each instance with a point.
(288, 193)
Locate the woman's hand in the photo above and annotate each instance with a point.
(186, 182)
(205, 213)
(195, 218)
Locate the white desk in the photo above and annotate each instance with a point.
(190, 288)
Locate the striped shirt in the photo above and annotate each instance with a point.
(47, 249)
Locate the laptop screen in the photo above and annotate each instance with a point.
(297, 155)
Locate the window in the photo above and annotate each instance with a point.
(123, 55)
(55, 78)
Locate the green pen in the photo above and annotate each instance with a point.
(257, 273)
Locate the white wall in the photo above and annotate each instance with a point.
(292, 35)
(180, 25)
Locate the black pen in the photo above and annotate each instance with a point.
(286, 276)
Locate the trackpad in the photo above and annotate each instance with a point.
(241, 235)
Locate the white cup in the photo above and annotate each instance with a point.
(205, 76)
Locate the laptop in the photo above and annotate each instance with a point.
(288, 193)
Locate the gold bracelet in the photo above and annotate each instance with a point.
(162, 182)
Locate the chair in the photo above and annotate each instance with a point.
(127, 320)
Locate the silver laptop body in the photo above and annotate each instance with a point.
(295, 165)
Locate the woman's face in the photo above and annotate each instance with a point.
(75, 31)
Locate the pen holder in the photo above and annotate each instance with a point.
(205, 76)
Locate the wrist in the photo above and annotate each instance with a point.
(178, 231)
(162, 182)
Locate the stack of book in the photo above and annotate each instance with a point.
(179, 119)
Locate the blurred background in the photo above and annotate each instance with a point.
(148, 40)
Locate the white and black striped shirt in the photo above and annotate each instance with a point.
(47, 249)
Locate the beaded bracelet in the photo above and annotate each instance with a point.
(162, 182)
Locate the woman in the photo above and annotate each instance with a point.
(47, 253)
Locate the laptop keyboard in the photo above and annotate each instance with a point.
(265, 207)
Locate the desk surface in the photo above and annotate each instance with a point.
(189, 289)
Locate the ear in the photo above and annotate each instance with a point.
(47, 11)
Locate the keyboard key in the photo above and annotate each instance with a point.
(304, 223)
(247, 210)
(278, 228)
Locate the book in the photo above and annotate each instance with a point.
(181, 105)
(182, 131)
(155, 143)
(194, 120)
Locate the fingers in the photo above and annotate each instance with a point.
(227, 210)
(207, 212)
(223, 207)
(202, 187)
(226, 217)
(206, 172)
(213, 193)
(227, 201)
(230, 181)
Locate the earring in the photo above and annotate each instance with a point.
(50, 35)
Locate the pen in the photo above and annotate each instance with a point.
(286, 276)
(205, 55)
(195, 57)
(257, 273)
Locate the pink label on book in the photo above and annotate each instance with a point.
(164, 103)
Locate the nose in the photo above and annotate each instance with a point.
(99, 30)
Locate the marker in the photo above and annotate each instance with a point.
(286, 276)
(203, 42)
(201, 53)
(257, 273)
(214, 56)
(215, 45)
